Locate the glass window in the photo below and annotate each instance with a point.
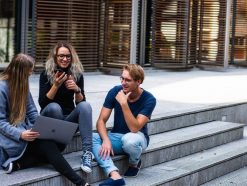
(7, 30)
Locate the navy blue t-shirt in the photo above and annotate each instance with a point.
(144, 105)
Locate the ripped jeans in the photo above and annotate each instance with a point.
(132, 144)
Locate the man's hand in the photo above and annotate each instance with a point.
(29, 135)
(106, 150)
(122, 98)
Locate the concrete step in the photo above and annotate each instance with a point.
(164, 123)
(236, 178)
(196, 169)
(163, 147)
(179, 119)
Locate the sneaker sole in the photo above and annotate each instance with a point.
(132, 176)
(9, 169)
(85, 169)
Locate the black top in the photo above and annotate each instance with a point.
(64, 97)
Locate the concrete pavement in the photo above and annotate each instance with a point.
(176, 92)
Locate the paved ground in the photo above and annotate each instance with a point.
(176, 92)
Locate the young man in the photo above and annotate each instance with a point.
(133, 107)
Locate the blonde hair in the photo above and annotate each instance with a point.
(135, 71)
(17, 74)
(76, 67)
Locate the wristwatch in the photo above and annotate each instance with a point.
(78, 91)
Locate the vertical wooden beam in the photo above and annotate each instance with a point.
(194, 34)
(33, 40)
(186, 41)
(143, 33)
(227, 32)
(24, 26)
(234, 15)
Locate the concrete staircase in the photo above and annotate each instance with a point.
(238, 177)
(191, 148)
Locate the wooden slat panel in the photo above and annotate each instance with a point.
(211, 26)
(76, 21)
(240, 36)
(170, 34)
(117, 33)
(206, 33)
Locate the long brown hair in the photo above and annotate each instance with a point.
(17, 74)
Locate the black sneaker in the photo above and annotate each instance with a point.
(133, 171)
(112, 182)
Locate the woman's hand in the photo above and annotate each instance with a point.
(59, 79)
(71, 85)
(29, 135)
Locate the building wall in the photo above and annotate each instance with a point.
(178, 34)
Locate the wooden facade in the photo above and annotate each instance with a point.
(111, 33)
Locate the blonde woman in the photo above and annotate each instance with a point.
(19, 146)
(61, 95)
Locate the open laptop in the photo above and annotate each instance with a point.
(54, 129)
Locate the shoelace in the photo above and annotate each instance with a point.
(87, 157)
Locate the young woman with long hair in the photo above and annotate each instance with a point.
(61, 95)
(19, 146)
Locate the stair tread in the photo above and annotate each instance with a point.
(157, 141)
(189, 133)
(238, 177)
(181, 167)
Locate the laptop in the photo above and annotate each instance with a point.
(54, 129)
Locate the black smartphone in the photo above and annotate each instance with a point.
(59, 71)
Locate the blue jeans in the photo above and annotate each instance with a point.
(132, 144)
(82, 114)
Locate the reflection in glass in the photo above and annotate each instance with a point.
(7, 30)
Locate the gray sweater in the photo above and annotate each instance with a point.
(11, 145)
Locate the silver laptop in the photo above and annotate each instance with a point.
(54, 129)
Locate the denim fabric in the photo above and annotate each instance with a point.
(82, 114)
(131, 144)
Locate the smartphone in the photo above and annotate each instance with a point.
(59, 71)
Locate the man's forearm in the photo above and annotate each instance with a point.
(131, 121)
(101, 127)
